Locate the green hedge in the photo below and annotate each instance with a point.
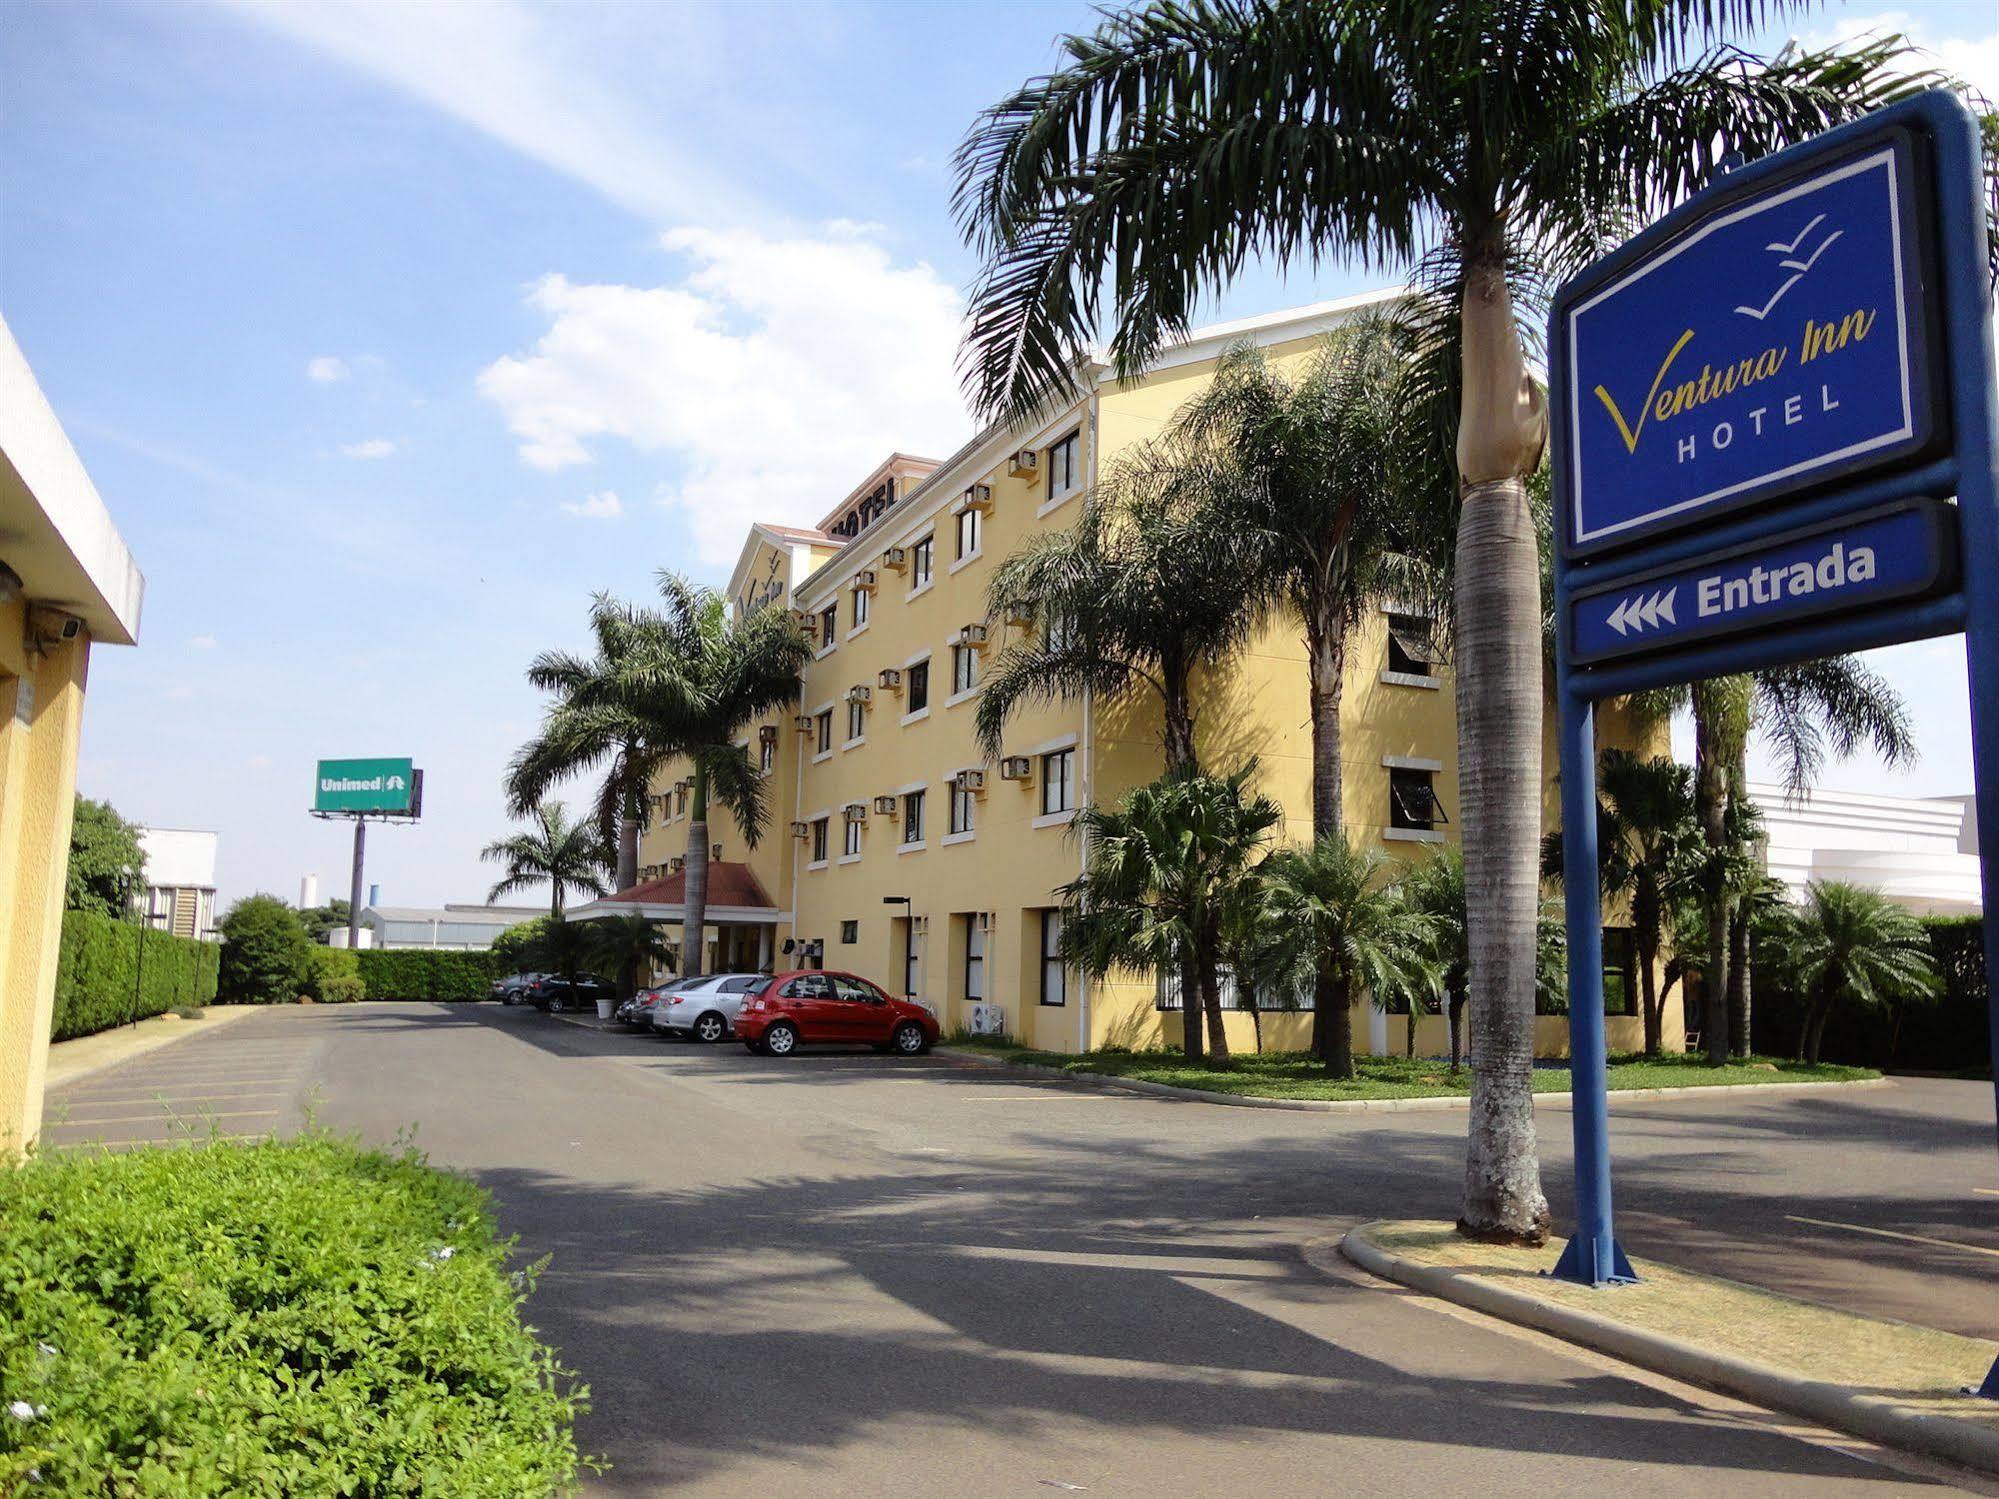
(99, 981)
(270, 1319)
(333, 976)
(426, 973)
(1947, 1034)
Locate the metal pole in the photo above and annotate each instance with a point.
(354, 890)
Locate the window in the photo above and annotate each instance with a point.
(962, 804)
(819, 840)
(968, 533)
(975, 958)
(823, 727)
(767, 756)
(1054, 977)
(855, 991)
(829, 625)
(916, 683)
(1058, 781)
(857, 720)
(1412, 799)
(922, 556)
(912, 817)
(860, 607)
(1061, 631)
(964, 668)
(1412, 648)
(850, 932)
(851, 843)
(1063, 476)
(809, 986)
(1620, 971)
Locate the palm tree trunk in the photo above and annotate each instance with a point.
(1456, 1005)
(1191, 1045)
(628, 850)
(1711, 808)
(1326, 656)
(1648, 994)
(694, 893)
(1179, 735)
(1211, 1004)
(1502, 430)
(1338, 1053)
(1740, 1033)
(1179, 747)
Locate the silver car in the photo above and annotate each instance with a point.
(705, 1008)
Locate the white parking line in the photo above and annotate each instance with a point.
(1889, 1233)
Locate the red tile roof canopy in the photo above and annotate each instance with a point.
(729, 884)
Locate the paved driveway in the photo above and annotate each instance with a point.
(848, 1274)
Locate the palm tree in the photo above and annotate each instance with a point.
(1647, 852)
(683, 681)
(1335, 920)
(1160, 871)
(1500, 145)
(566, 855)
(1144, 588)
(627, 946)
(1846, 943)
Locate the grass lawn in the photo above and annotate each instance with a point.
(1297, 1074)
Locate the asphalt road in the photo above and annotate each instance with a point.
(850, 1274)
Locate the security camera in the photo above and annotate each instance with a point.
(49, 627)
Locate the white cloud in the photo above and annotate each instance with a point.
(203, 642)
(327, 369)
(776, 370)
(603, 505)
(1974, 59)
(373, 447)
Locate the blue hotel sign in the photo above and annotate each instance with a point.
(1774, 344)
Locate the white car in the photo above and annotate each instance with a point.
(705, 1008)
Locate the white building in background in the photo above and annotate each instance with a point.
(180, 880)
(1921, 852)
(465, 927)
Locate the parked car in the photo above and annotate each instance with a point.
(706, 1007)
(816, 1007)
(512, 988)
(554, 994)
(638, 1009)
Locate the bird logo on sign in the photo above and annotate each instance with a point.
(1796, 261)
(1637, 613)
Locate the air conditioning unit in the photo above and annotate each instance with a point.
(767, 734)
(803, 723)
(972, 635)
(856, 811)
(801, 829)
(885, 805)
(890, 679)
(677, 863)
(896, 557)
(714, 850)
(1016, 768)
(970, 780)
(978, 497)
(986, 922)
(860, 692)
(864, 580)
(1022, 616)
(805, 619)
(1025, 464)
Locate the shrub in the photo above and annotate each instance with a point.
(333, 976)
(425, 973)
(271, 1319)
(514, 949)
(1947, 1034)
(265, 952)
(100, 981)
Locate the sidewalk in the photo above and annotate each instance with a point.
(70, 1060)
(1892, 1382)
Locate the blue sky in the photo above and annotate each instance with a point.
(389, 333)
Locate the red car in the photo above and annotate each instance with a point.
(815, 1007)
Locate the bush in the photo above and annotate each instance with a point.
(514, 949)
(1946, 1034)
(333, 976)
(426, 973)
(270, 1319)
(100, 981)
(265, 952)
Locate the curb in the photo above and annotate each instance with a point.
(123, 1043)
(1447, 1104)
(1875, 1417)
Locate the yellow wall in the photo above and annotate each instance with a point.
(41, 712)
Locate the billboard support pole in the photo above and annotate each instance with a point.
(354, 890)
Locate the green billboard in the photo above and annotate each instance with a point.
(365, 786)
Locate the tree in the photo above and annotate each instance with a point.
(1147, 586)
(1184, 137)
(265, 952)
(1845, 944)
(1159, 869)
(106, 864)
(1648, 851)
(319, 920)
(682, 680)
(627, 947)
(563, 854)
(514, 948)
(1336, 921)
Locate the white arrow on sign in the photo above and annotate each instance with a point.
(1638, 611)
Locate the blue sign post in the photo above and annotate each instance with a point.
(1764, 406)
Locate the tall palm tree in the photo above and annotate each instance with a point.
(1647, 853)
(566, 855)
(683, 682)
(1848, 944)
(1143, 589)
(1498, 144)
(1160, 869)
(1336, 920)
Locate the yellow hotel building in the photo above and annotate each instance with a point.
(912, 859)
